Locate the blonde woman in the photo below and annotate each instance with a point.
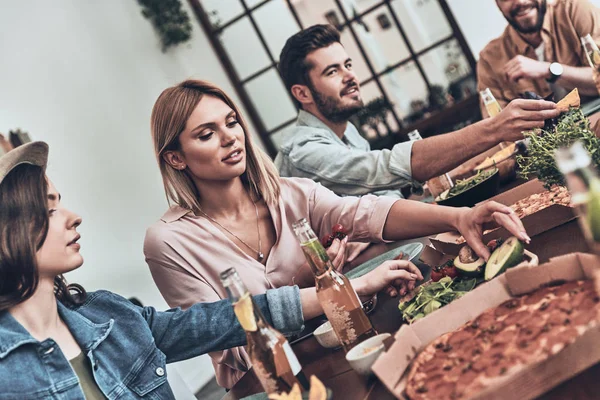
(230, 208)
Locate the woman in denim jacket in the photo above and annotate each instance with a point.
(59, 342)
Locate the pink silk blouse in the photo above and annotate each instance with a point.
(186, 253)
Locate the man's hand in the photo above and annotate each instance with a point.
(528, 68)
(521, 115)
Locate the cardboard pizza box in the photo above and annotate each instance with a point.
(536, 224)
(392, 366)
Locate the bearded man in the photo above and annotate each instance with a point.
(325, 147)
(540, 50)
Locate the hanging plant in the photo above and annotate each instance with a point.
(169, 19)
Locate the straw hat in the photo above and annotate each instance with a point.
(35, 153)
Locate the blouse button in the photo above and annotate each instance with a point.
(160, 371)
(50, 350)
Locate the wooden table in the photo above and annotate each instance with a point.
(335, 372)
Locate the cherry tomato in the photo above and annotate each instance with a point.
(327, 240)
(450, 271)
(436, 275)
(338, 228)
(339, 235)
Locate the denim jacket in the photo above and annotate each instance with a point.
(346, 166)
(128, 346)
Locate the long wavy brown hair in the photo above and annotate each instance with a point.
(169, 117)
(23, 230)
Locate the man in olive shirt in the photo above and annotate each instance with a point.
(540, 50)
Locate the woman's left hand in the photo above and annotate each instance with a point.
(470, 224)
(398, 276)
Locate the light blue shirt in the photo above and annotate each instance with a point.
(348, 167)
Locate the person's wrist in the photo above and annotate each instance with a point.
(459, 215)
(555, 72)
(547, 73)
(494, 133)
(359, 286)
(488, 130)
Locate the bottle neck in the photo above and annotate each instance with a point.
(316, 256)
(313, 250)
(246, 311)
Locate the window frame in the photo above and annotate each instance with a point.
(213, 32)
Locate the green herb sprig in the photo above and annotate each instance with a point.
(539, 160)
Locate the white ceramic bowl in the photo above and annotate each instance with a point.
(326, 336)
(363, 355)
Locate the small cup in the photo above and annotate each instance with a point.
(326, 336)
(364, 354)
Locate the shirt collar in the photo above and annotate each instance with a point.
(87, 333)
(12, 334)
(521, 46)
(307, 119)
(174, 213)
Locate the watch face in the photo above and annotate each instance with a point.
(556, 69)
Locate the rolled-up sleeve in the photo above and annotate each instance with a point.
(285, 309)
(364, 217)
(352, 172)
(206, 327)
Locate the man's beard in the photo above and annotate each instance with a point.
(541, 8)
(331, 109)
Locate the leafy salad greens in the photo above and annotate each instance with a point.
(430, 297)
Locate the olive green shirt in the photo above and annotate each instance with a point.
(83, 370)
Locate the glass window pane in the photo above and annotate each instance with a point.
(355, 7)
(327, 12)
(372, 119)
(271, 99)
(276, 24)
(313, 12)
(221, 11)
(381, 39)
(359, 64)
(423, 21)
(407, 91)
(445, 64)
(244, 48)
(252, 3)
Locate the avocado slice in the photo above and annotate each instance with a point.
(506, 256)
(468, 263)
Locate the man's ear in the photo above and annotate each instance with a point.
(174, 159)
(302, 93)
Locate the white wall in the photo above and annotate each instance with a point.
(83, 76)
(481, 21)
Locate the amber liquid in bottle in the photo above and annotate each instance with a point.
(334, 291)
(491, 104)
(273, 360)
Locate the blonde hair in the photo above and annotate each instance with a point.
(169, 117)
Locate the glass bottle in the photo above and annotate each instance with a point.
(273, 360)
(489, 101)
(582, 180)
(334, 291)
(591, 51)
